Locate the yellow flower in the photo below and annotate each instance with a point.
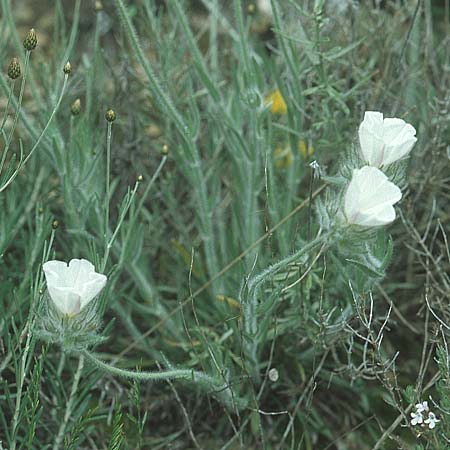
(304, 149)
(229, 300)
(276, 100)
(282, 157)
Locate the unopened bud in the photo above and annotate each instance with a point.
(140, 178)
(76, 107)
(154, 131)
(55, 224)
(110, 115)
(30, 40)
(98, 6)
(14, 69)
(67, 68)
(165, 149)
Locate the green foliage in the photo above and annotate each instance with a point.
(233, 279)
(117, 432)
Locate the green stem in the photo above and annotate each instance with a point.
(5, 115)
(108, 170)
(123, 213)
(176, 374)
(20, 383)
(139, 207)
(69, 406)
(22, 89)
(255, 283)
(204, 381)
(18, 108)
(250, 306)
(36, 144)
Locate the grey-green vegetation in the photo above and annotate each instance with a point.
(235, 316)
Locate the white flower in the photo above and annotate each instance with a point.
(384, 141)
(432, 420)
(317, 169)
(273, 374)
(416, 418)
(370, 198)
(422, 407)
(73, 286)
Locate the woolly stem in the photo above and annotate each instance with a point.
(250, 306)
(207, 383)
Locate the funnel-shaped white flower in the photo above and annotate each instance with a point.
(384, 141)
(370, 198)
(73, 286)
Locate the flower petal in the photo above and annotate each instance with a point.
(53, 271)
(383, 142)
(67, 301)
(92, 288)
(72, 286)
(371, 137)
(370, 198)
(79, 271)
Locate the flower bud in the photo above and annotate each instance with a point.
(110, 115)
(165, 149)
(14, 69)
(154, 131)
(30, 40)
(67, 68)
(76, 107)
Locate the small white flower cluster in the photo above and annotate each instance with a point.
(422, 415)
(370, 195)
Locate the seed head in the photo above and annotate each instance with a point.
(30, 40)
(14, 69)
(76, 107)
(55, 224)
(67, 68)
(110, 115)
